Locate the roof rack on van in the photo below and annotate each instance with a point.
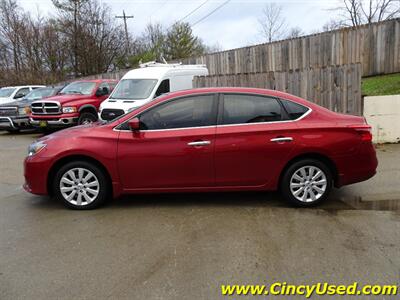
(157, 64)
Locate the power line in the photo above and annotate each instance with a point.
(158, 8)
(210, 13)
(193, 11)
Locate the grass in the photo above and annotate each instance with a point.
(381, 85)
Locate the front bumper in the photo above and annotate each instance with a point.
(14, 122)
(35, 172)
(52, 121)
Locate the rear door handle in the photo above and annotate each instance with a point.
(199, 143)
(282, 139)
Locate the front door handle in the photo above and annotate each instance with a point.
(282, 139)
(199, 143)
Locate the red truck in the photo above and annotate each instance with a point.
(76, 104)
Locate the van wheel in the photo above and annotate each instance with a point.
(306, 183)
(80, 185)
(87, 118)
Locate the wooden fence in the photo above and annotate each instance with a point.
(376, 46)
(337, 88)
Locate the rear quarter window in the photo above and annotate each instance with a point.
(293, 109)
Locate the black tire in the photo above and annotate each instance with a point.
(103, 189)
(13, 130)
(296, 166)
(87, 118)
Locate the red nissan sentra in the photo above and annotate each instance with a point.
(206, 140)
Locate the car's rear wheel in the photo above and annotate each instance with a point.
(80, 185)
(306, 182)
(87, 118)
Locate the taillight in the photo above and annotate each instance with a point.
(364, 131)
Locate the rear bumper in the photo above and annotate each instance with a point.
(54, 121)
(14, 122)
(358, 168)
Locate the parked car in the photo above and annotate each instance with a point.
(203, 140)
(14, 116)
(77, 103)
(11, 93)
(139, 86)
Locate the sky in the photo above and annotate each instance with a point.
(233, 25)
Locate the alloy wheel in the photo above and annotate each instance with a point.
(79, 186)
(308, 184)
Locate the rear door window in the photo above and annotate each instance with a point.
(293, 109)
(243, 109)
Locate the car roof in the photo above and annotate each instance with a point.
(94, 80)
(244, 90)
(21, 86)
(238, 90)
(159, 71)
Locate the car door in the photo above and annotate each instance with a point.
(174, 147)
(254, 138)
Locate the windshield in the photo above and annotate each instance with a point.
(134, 89)
(39, 94)
(81, 87)
(6, 92)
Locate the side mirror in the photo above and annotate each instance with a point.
(134, 124)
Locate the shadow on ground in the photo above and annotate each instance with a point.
(233, 199)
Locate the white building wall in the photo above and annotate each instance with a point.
(383, 114)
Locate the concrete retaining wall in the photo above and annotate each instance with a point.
(383, 114)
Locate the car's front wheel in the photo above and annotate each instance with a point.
(306, 182)
(87, 118)
(80, 185)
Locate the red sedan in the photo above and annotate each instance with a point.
(206, 140)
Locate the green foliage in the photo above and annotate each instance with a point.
(381, 85)
(181, 43)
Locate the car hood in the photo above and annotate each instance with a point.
(20, 103)
(73, 132)
(4, 100)
(126, 105)
(64, 99)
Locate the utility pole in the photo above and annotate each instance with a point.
(124, 16)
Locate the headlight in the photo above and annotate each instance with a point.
(24, 110)
(69, 109)
(35, 148)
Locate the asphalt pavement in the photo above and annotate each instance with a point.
(184, 246)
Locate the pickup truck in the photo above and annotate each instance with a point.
(14, 116)
(76, 104)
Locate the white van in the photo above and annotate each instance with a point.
(142, 85)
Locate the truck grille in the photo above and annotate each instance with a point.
(8, 111)
(45, 108)
(111, 114)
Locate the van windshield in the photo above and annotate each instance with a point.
(133, 89)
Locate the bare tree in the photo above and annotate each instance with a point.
(295, 32)
(333, 24)
(70, 13)
(272, 23)
(357, 12)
